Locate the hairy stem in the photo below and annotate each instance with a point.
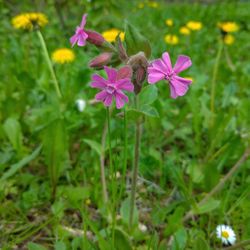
(102, 165)
(112, 177)
(48, 61)
(135, 168)
(125, 154)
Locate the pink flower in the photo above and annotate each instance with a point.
(80, 35)
(162, 69)
(113, 86)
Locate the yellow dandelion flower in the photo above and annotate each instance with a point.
(38, 19)
(228, 39)
(169, 22)
(153, 4)
(27, 21)
(184, 30)
(141, 5)
(63, 55)
(171, 39)
(193, 25)
(228, 27)
(88, 202)
(110, 35)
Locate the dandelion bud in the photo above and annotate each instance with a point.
(139, 66)
(95, 38)
(101, 60)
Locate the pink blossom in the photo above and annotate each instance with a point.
(80, 35)
(162, 69)
(112, 88)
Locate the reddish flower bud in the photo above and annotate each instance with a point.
(121, 50)
(95, 38)
(124, 72)
(139, 64)
(101, 60)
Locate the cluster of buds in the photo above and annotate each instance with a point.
(134, 54)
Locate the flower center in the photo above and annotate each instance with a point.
(225, 234)
(110, 88)
(169, 75)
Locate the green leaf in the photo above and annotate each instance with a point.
(201, 243)
(60, 246)
(55, 148)
(135, 41)
(148, 95)
(13, 131)
(17, 166)
(35, 246)
(125, 210)
(122, 241)
(180, 239)
(94, 145)
(149, 111)
(210, 205)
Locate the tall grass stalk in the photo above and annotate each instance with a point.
(214, 77)
(48, 61)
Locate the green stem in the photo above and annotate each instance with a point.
(214, 76)
(135, 168)
(47, 58)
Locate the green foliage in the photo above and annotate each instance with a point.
(47, 144)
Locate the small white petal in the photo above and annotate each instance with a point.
(142, 227)
(81, 104)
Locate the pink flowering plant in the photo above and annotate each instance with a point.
(128, 67)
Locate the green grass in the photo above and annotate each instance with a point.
(50, 152)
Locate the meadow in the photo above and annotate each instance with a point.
(159, 159)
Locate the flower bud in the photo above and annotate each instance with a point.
(139, 64)
(101, 60)
(121, 50)
(124, 72)
(95, 38)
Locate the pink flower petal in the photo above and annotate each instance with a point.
(108, 100)
(154, 76)
(167, 61)
(180, 86)
(81, 41)
(183, 80)
(120, 98)
(83, 22)
(98, 82)
(159, 65)
(182, 63)
(73, 39)
(111, 73)
(125, 84)
(172, 91)
(101, 96)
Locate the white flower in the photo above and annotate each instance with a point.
(81, 104)
(226, 234)
(142, 227)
